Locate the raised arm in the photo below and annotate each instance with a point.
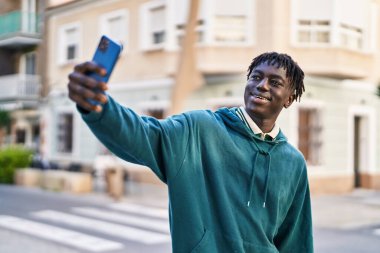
(159, 144)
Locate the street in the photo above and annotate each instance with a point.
(38, 221)
(347, 223)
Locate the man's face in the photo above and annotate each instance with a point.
(267, 92)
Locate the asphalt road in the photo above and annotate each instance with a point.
(37, 221)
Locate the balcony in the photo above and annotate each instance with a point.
(19, 91)
(19, 29)
(335, 62)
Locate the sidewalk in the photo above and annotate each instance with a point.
(353, 210)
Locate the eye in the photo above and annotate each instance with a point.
(275, 82)
(255, 77)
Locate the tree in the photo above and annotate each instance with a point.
(188, 77)
(5, 121)
(5, 118)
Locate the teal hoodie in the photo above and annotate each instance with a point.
(229, 191)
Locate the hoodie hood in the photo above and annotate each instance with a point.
(231, 119)
(263, 147)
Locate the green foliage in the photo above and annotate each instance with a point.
(5, 118)
(12, 158)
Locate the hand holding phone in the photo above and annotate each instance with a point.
(106, 56)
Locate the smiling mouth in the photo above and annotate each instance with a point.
(261, 98)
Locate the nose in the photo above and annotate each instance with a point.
(263, 84)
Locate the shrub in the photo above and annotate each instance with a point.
(12, 158)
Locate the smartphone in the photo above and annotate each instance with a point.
(106, 55)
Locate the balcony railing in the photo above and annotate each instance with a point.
(19, 87)
(20, 28)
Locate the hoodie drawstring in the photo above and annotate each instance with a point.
(252, 180)
(267, 180)
(267, 154)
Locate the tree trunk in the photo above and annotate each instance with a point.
(188, 76)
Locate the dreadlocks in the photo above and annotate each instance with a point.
(294, 73)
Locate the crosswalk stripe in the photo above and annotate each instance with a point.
(141, 210)
(64, 236)
(125, 232)
(158, 225)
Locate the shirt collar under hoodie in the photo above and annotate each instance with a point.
(232, 118)
(247, 120)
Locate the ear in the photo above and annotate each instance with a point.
(289, 101)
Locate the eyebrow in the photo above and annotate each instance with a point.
(271, 75)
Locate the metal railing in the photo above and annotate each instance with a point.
(19, 86)
(19, 22)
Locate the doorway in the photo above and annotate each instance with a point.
(361, 141)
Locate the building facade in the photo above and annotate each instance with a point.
(336, 42)
(21, 33)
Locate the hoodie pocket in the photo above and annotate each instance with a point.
(202, 244)
(211, 242)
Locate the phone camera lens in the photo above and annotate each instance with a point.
(103, 45)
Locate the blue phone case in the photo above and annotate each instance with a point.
(106, 55)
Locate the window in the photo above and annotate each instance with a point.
(153, 25)
(115, 25)
(28, 63)
(20, 136)
(181, 15)
(65, 133)
(69, 43)
(231, 24)
(343, 23)
(225, 22)
(353, 24)
(157, 24)
(313, 22)
(314, 31)
(230, 28)
(180, 31)
(351, 36)
(309, 135)
(72, 45)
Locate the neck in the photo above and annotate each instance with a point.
(266, 125)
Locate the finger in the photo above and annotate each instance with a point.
(88, 67)
(103, 86)
(102, 98)
(81, 79)
(86, 93)
(81, 90)
(80, 101)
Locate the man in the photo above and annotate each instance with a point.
(235, 184)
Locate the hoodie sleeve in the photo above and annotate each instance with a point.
(295, 234)
(142, 140)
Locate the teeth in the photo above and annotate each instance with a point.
(262, 98)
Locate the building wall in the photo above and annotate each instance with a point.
(14, 45)
(8, 6)
(339, 82)
(88, 18)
